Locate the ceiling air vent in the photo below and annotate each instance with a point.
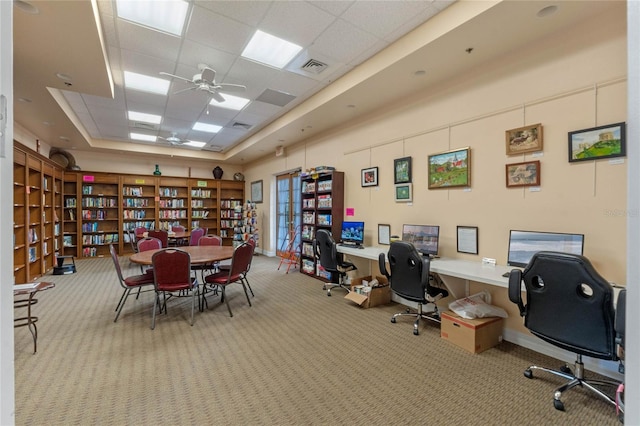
(313, 66)
(239, 125)
(145, 126)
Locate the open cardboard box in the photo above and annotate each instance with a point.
(474, 335)
(378, 296)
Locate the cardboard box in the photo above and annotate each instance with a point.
(474, 335)
(377, 296)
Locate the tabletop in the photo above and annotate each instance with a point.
(199, 254)
(176, 235)
(32, 287)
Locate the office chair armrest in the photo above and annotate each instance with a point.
(316, 253)
(424, 276)
(382, 264)
(515, 291)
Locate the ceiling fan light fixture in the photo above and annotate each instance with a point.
(271, 50)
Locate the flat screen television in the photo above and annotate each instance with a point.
(352, 233)
(423, 237)
(524, 244)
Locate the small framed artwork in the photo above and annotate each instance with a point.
(384, 234)
(403, 193)
(523, 174)
(402, 170)
(524, 139)
(370, 176)
(598, 142)
(467, 239)
(256, 191)
(450, 169)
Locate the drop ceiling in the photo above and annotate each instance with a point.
(357, 57)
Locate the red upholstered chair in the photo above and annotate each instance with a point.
(163, 236)
(129, 283)
(140, 230)
(207, 240)
(227, 266)
(149, 243)
(239, 265)
(178, 241)
(178, 228)
(196, 234)
(172, 275)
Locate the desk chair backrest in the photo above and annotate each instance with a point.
(163, 236)
(568, 303)
(149, 243)
(172, 270)
(116, 263)
(210, 240)
(409, 277)
(325, 249)
(196, 234)
(140, 230)
(178, 228)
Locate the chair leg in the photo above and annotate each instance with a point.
(226, 301)
(244, 287)
(153, 315)
(123, 299)
(419, 314)
(194, 290)
(124, 293)
(249, 285)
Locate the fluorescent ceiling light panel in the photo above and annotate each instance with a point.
(142, 137)
(144, 83)
(270, 50)
(167, 15)
(195, 144)
(231, 102)
(145, 118)
(204, 127)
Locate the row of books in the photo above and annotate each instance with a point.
(99, 202)
(131, 226)
(94, 214)
(135, 202)
(99, 239)
(231, 204)
(201, 193)
(228, 214)
(172, 204)
(134, 214)
(230, 223)
(132, 191)
(173, 214)
(200, 214)
(168, 192)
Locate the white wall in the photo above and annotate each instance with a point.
(7, 384)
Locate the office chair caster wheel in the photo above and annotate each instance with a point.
(416, 332)
(566, 369)
(559, 405)
(328, 294)
(393, 320)
(528, 373)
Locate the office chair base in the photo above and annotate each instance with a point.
(431, 316)
(575, 379)
(329, 286)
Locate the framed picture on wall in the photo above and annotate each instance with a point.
(384, 234)
(467, 239)
(523, 174)
(403, 193)
(369, 177)
(450, 169)
(524, 139)
(598, 142)
(402, 170)
(256, 191)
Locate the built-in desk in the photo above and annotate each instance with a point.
(455, 273)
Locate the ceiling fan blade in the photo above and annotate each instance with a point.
(231, 88)
(184, 90)
(175, 76)
(217, 96)
(208, 75)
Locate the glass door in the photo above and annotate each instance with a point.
(288, 215)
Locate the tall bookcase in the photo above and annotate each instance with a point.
(173, 203)
(231, 217)
(99, 213)
(322, 208)
(37, 209)
(70, 215)
(138, 202)
(204, 205)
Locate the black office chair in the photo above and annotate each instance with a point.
(570, 306)
(410, 280)
(621, 314)
(325, 249)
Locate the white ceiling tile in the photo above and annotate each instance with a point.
(262, 109)
(153, 104)
(246, 12)
(382, 17)
(298, 22)
(145, 64)
(218, 31)
(332, 42)
(335, 8)
(194, 53)
(293, 84)
(147, 41)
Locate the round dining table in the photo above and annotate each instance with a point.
(199, 254)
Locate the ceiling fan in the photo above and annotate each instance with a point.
(174, 139)
(205, 81)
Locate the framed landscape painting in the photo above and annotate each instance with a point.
(598, 142)
(524, 139)
(450, 169)
(523, 174)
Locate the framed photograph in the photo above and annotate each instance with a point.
(450, 169)
(467, 239)
(402, 170)
(256, 191)
(524, 139)
(370, 176)
(523, 174)
(403, 193)
(384, 234)
(598, 142)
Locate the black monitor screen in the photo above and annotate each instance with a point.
(352, 232)
(524, 244)
(423, 237)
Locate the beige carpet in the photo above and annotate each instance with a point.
(295, 357)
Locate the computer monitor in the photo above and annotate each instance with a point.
(423, 237)
(524, 244)
(352, 233)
